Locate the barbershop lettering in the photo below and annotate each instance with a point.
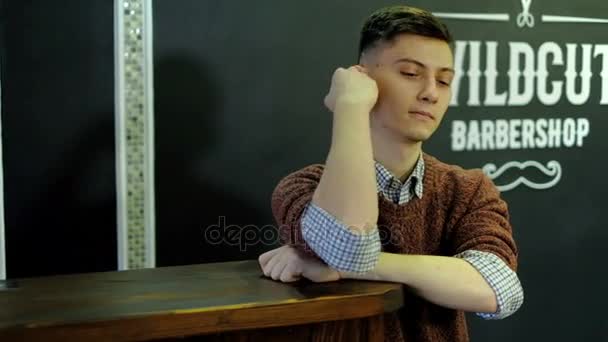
(514, 134)
(528, 73)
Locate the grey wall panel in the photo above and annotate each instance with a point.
(58, 123)
(239, 89)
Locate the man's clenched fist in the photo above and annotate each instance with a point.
(287, 264)
(352, 87)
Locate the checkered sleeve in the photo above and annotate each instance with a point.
(337, 245)
(502, 279)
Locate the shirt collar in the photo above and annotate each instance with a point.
(384, 177)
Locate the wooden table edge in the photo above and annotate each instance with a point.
(215, 320)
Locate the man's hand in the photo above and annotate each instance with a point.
(287, 264)
(352, 87)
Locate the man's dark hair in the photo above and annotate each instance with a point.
(388, 22)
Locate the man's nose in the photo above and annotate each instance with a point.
(429, 92)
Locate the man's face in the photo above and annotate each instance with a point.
(413, 74)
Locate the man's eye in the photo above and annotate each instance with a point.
(409, 74)
(444, 83)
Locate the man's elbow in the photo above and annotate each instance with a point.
(513, 303)
(507, 306)
(490, 303)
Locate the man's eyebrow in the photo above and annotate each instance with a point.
(420, 64)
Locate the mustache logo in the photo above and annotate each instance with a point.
(553, 170)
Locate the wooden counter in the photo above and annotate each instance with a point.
(230, 301)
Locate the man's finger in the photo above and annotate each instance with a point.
(277, 270)
(267, 269)
(289, 274)
(265, 257)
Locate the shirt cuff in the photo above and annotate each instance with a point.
(336, 244)
(502, 279)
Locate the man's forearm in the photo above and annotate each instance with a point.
(446, 281)
(347, 188)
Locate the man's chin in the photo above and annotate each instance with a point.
(417, 137)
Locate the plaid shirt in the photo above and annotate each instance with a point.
(341, 249)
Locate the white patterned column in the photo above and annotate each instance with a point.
(134, 133)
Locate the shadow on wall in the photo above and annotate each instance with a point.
(190, 211)
(69, 226)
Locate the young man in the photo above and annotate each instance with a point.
(445, 230)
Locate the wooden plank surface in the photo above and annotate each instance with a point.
(180, 301)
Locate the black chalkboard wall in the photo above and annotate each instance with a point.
(57, 62)
(239, 88)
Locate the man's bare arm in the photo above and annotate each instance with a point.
(446, 281)
(347, 189)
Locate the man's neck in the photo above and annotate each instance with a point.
(397, 157)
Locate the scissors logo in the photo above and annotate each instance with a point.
(525, 18)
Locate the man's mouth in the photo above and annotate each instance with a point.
(422, 114)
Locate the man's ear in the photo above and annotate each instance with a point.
(369, 62)
(364, 58)
(368, 69)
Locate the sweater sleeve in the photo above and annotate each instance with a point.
(483, 237)
(481, 221)
(290, 198)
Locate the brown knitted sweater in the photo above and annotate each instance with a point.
(460, 210)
